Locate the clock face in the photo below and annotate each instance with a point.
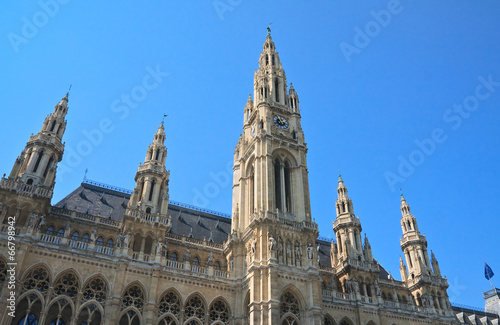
(280, 122)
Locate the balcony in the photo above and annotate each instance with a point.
(25, 189)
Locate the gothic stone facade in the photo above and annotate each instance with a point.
(109, 256)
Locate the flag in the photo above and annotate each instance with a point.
(488, 272)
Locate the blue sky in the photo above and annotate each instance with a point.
(394, 94)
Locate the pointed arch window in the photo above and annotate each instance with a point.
(28, 320)
(153, 183)
(53, 126)
(251, 189)
(48, 166)
(288, 187)
(110, 243)
(276, 89)
(277, 184)
(50, 231)
(75, 235)
(273, 59)
(99, 241)
(283, 186)
(38, 160)
(157, 154)
(85, 238)
(267, 59)
(60, 232)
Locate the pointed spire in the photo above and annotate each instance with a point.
(405, 207)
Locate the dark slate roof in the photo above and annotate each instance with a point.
(108, 201)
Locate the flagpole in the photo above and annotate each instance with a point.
(489, 278)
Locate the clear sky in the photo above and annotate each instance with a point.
(394, 94)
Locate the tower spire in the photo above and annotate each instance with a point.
(150, 194)
(37, 163)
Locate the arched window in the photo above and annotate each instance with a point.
(153, 183)
(67, 285)
(267, 59)
(157, 154)
(217, 265)
(170, 303)
(173, 257)
(110, 243)
(219, 312)
(28, 320)
(48, 166)
(329, 320)
(40, 155)
(99, 241)
(148, 210)
(251, 190)
(273, 59)
(89, 315)
(95, 289)
(53, 126)
(288, 187)
(196, 261)
(85, 238)
(195, 308)
(133, 297)
(60, 232)
(75, 235)
(276, 89)
(289, 305)
(37, 279)
(277, 184)
(30, 181)
(345, 322)
(50, 230)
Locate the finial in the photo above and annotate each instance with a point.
(67, 94)
(401, 191)
(163, 119)
(85, 175)
(340, 175)
(269, 30)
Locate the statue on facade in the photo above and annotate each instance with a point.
(355, 286)
(187, 255)
(160, 248)
(280, 246)
(67, 229)
(119, 240)
(253, 245)
(33, 220)
(231, 263)
(310, 253)
(289, 252)
(41, 223)
(272, 243)
(126, 240)
(93, 235)
(210, 259)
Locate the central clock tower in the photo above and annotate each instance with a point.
(270, 169)
(272, 230)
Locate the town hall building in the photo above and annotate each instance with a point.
(106, 255)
